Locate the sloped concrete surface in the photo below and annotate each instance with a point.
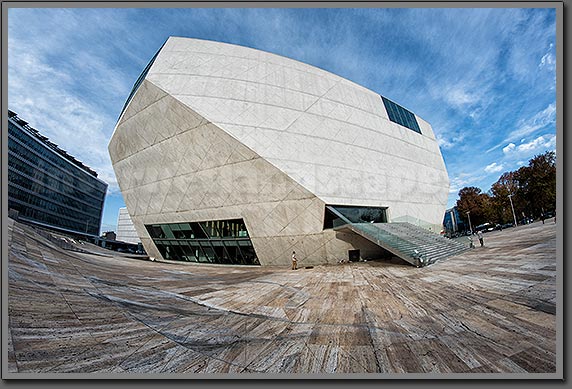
(491, 309)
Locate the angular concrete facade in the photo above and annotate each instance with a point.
(216, 131)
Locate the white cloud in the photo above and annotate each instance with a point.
(530, 125)
(444, 143)
(66, 98)
(548, 60)
(530, 35)
(462, 180)
(538, 121)
(458, 96)
(508, 148)
(539, 144)
(76, 125)
(76, 75)
(448, 139)
(494, 167)
(542, 142)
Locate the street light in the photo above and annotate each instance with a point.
(470, 227)
(512, 207)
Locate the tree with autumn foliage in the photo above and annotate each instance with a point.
(506, 185)
(537, 184)
(472, 200)
(533, 190)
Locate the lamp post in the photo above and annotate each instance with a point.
(512, 207)
(469, 217)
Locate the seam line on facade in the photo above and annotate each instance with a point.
(270, 60)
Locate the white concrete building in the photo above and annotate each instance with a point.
(126, 231)
(217, 137)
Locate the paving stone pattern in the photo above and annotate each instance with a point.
(491, 309)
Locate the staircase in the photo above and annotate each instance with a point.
(411, 243)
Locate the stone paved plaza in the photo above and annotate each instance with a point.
(491, 310)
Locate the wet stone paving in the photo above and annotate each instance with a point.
(489, 310)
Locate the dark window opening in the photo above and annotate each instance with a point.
(336, 215)
(329, 218)
(353, 255)
(400, 115)
(213, 241)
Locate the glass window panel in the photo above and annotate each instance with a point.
(244, 243)
(357, 214)
(208, 228)
(234, 253)
(179, 234)
(221, 256)
(185, 231)
(249, 255)
(208, 251)
(162, 250)
(167, 231)
(400, 115)
(198, 232)
(178, 251)
(220, 243)
(155, 231)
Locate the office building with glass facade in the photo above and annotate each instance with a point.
(48, 187)
(452, 222)
(227, 154)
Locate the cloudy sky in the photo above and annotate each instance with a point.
(483, 78)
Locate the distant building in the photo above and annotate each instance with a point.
(125, 229)
(452, 223)
(48, 187)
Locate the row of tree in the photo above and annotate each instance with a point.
(532, 189)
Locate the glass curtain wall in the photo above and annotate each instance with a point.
(47, 188)
(214, 241)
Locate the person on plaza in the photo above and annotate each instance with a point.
(480, 236)
(471, 244)
(294, 261)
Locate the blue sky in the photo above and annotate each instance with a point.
(485, 79)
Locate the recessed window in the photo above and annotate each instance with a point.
(212, 241)
(400, 115)
(336, 215)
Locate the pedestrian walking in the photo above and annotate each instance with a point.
(471, 244)
(480, 236)
(294, 261)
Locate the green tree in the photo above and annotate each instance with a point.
(537, 184)
(478, 204)
(533, 190)
(506, 185)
